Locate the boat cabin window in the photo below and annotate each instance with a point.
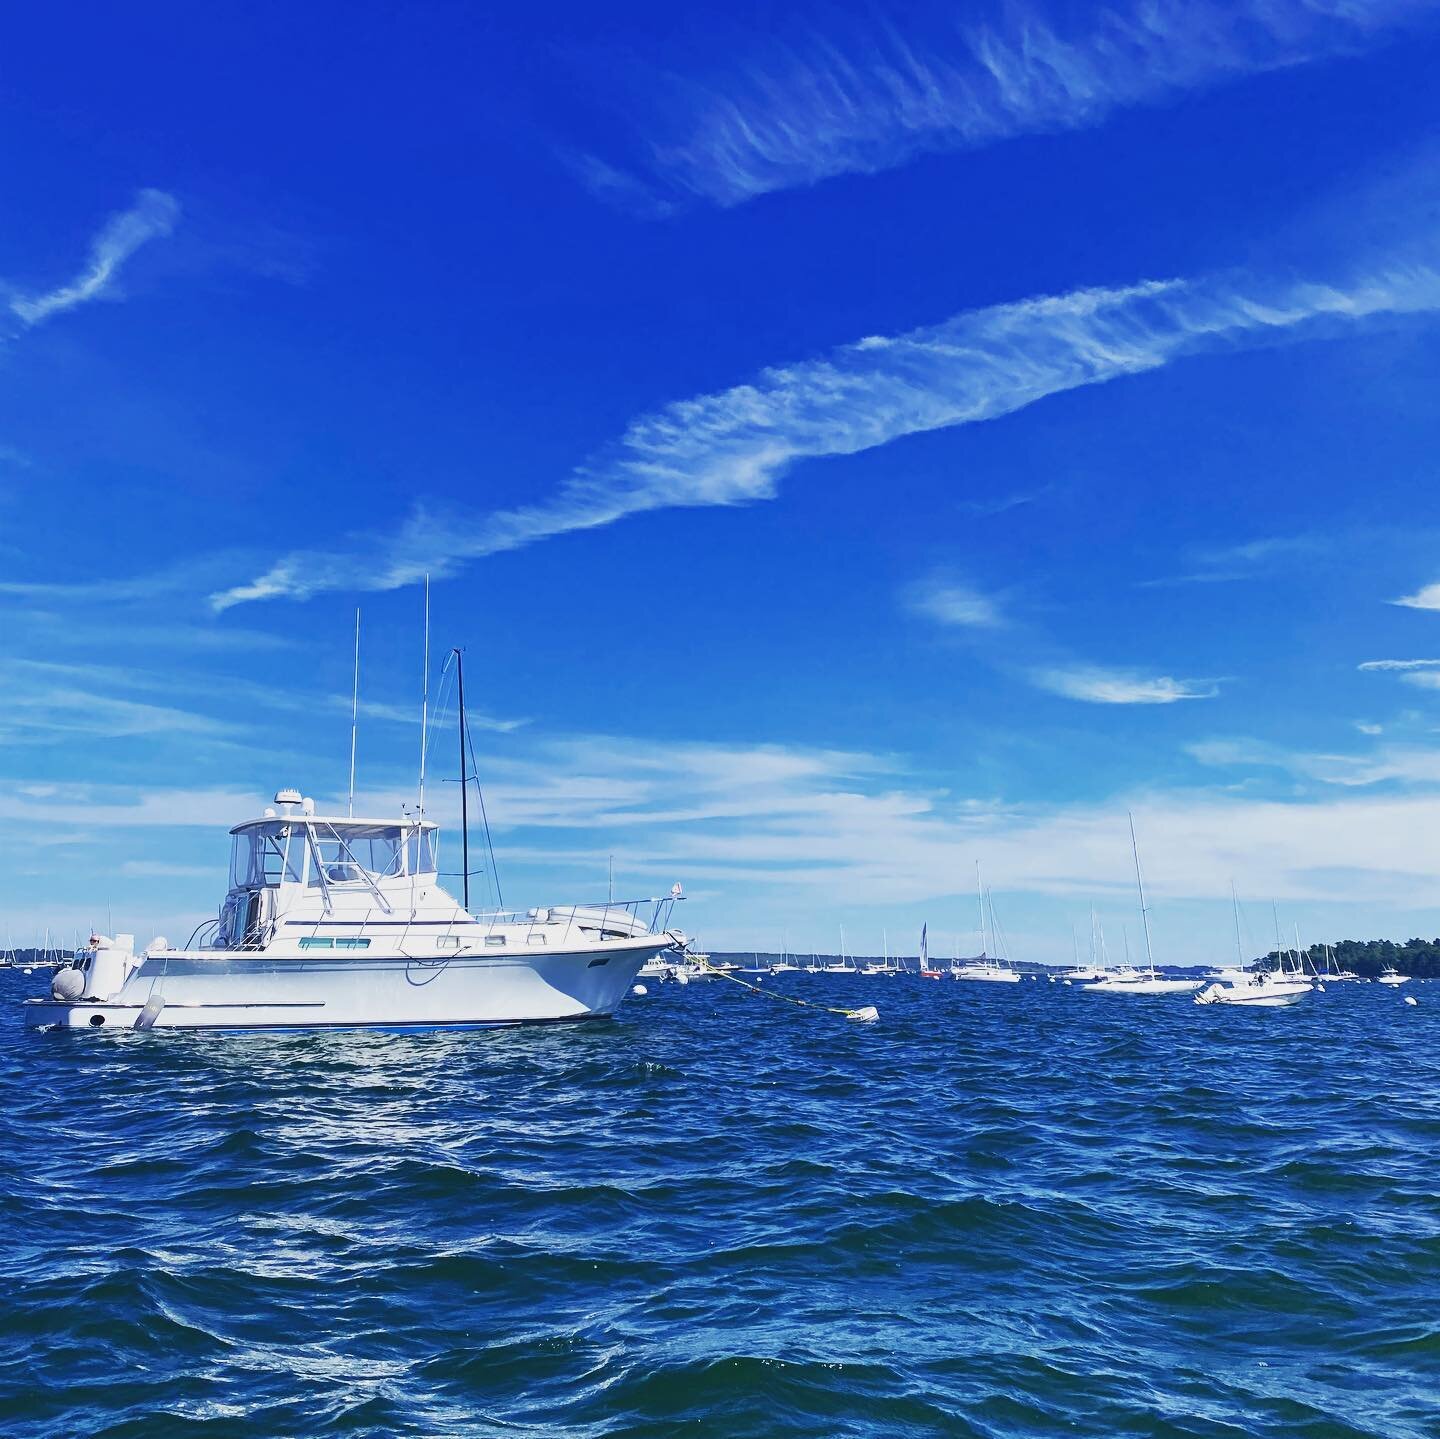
(262, 857)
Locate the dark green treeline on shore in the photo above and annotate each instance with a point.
(1419, 958)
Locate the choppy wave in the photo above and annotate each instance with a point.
(1022, 1211)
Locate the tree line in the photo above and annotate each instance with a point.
(1419, 958)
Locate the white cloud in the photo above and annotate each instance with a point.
(1427, 597)
(953, 602)
(1100, 686)
(1422, 674)
(733, 447)
(866, 97)
(153, 214)
(775, 830)
(1408, 765)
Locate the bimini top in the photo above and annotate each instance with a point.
(340, 824)
(293, 808)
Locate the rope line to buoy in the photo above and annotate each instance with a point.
(865, 1014)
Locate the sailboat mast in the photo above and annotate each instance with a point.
(1140, 886)
(354, 716)
(1235, 909)
(464, 780)
(980, 901)
(424, 701)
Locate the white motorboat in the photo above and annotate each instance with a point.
(1391, 975)
(342, 922)
(1263, 989)
(1254, 988)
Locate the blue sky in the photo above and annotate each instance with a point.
(847, 449)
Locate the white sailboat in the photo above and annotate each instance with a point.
(926, 971)
(885, 966)
(983, 968)
(843, 965)
(1149, 980)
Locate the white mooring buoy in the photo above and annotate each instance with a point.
(639, 989)
(1410, 999)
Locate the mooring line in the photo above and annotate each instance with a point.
(866, 1014)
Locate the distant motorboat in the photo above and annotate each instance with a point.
(1391, 975)
(1260, 990)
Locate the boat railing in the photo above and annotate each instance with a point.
(656, 922)
(203, 934)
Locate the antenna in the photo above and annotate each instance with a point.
(1140, 886)
(354, 716)
(424, 702)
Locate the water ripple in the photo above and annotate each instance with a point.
(994, 1214)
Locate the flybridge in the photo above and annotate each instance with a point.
(318, 851)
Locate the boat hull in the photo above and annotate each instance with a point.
(1144, 986)
(235, 990)
(1254, 996)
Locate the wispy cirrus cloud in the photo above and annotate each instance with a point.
(1095, 684)
(734, 446)
(1422, 674)
(153, 215)
(954, 603)
(867, 96)
(1393, 764)
(1245, 560)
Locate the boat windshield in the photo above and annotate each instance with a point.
(364, 853)
(284, 851)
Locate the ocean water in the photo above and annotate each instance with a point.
(1003, 1211)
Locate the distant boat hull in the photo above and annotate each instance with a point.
(1254, 996)
(1143, 986)
(979, 974)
